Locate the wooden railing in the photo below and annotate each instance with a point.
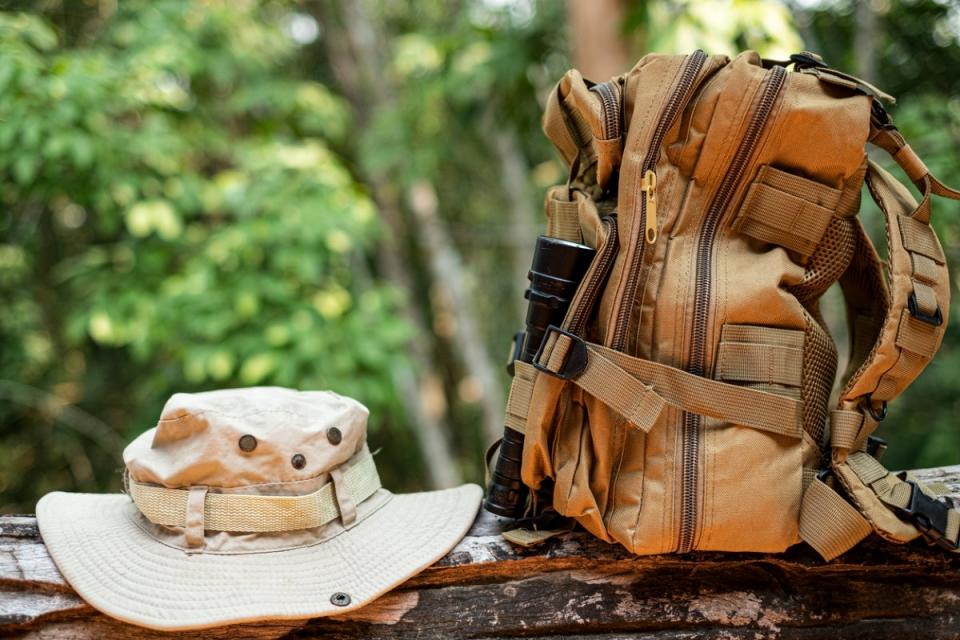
(574, 585)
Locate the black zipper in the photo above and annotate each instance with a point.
(678, 99)
(702, 293)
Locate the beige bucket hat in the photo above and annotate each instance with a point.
(245, 505)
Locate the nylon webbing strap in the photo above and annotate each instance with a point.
(828, 523)
(774, 364)
(259, 513)
(521, 391)
(563, 220)
(787, 210)
(845, 428)
(639, 388)
(910, 500)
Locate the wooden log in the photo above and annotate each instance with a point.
(575, 585)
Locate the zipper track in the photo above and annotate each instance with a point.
(612, 117)
(598, 276)
(702, 293)
(678, 98)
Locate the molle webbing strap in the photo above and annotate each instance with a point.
(847, 430)
(260, 513)
(789, 210)
(763, 355)
(916, 315)
(828, 523)
(521, 392)
(563, 220)
(639, 389)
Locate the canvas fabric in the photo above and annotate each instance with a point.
(244, 505)
(699, 416)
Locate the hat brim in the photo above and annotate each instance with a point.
(119, 569)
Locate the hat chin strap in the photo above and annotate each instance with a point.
(260, 514)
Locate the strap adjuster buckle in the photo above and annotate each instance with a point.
(876, 447)
(575, 362)
(881, 119)
(929, 515)
(808, 60)
(516, 351)
(935, 319)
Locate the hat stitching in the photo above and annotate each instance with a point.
(262, 485)
(138, 521)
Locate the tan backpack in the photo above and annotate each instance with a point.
(685, 400)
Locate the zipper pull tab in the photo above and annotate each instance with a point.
(648, 184)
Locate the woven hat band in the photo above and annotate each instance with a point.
(258, 513)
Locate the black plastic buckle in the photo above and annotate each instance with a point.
(878, 415)
(929, 515)
(575, 362)
(934, 320)
(516, 351)
(807, 59)
(876, 447)
(881, 119)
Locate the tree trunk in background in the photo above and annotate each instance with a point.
(352, 53)
(598, 46)
(447, 272)
(522, 236)
(358, 62)
(865, 40)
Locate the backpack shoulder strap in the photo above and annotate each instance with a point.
(919, 286)
(907, 320)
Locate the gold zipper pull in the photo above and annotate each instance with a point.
(648, 184)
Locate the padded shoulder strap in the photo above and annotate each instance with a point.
(919, 286)
(905, 321)
(919, 298)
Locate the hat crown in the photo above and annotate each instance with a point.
(256, 436)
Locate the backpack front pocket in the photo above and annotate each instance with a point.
(753, 479)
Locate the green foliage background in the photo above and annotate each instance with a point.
(186, 203)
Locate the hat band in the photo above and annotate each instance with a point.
(257, 513)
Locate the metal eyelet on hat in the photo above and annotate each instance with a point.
(247, 443)
(334, 436)
(340, 599)
(298, 461)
